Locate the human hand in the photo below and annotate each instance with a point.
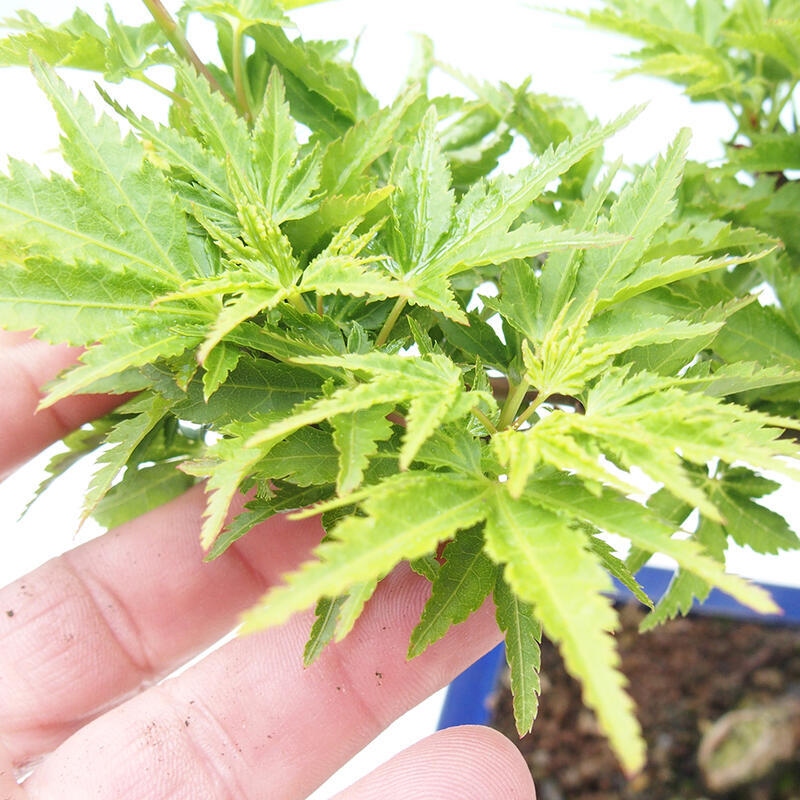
(86, 638)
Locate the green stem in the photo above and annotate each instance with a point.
(176, 98)
(240, 76)
(176, 38)
(394, 315)
(529, 411)
(484, 420)
(514, 398)
(778, 106)
(297, 302)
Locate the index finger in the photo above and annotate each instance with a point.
(26, 365)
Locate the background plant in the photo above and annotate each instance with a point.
(358, 311)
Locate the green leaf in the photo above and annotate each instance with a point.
(346, 161)
(477, 338)
(228, 466)
(708, 237)
(356, 436)
(750, 524)
(218, 365)
(242, 14)
(79, 42)
(317, 72)
(731, 379)
(130, 347)
(287, 186)
(432, 387)
(296, 333)
(326, 618)
(147, 411)
(255, 388)
(616, 514)
(532, 239)
(776, 40)
(686, 586)
(352, 606)
(81, 302)
(573, 353)
(341, 268)
(185, 156)
(79, 444)
(560, 270)
(487, 211)
(335, 211)
(335, 619)
(464, 581)
(519, 299)
(217, 125)
(407, 516)
(617, 569)
(422, 202)
(426, 566)
(237, 310)
(759, 333)
(775, 152)
(642, 421)
(140, 490)
(523, 633)
(548, 565)
(132, 49)
(285, 498)
(476, 139)
(125, 191)
(307, 457)
(642, 207)
(653, 274)
(350, 188)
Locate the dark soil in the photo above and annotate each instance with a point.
(683, 676)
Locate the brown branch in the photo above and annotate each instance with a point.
(181, 44)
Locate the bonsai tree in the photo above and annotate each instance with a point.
(355, 311)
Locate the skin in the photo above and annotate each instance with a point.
(94, 631)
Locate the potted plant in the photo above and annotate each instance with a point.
(352, 310)
(740, 58)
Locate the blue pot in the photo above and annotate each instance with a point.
(468, 697)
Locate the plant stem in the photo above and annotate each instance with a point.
(528, 412)
(484, 420)
(777, 107)
(516, 394)
(394, 315)
(240, 77)
(297, 302)
(176, 98)
(176, 38)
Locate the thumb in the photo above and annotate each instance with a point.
(464, 763)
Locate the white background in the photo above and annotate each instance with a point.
(501, 40)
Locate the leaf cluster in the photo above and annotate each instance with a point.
(745, 57)
(355, 310)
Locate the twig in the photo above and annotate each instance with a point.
(176, 38)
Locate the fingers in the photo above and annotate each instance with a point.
(249, 722)
(9, 790)
(100, 622)
(25, 366)
(466, 763)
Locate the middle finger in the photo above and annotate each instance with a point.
(249, 721)
(96, 624)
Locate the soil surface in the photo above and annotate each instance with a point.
(684, 677)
